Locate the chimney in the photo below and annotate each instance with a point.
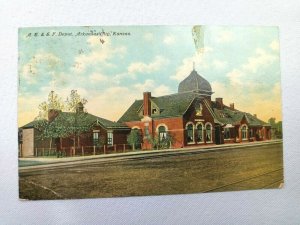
(219, 102)
(79, 107)
(147, 103)
(232, 106)
(52, 114)
(255, 115)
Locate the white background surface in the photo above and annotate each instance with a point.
(246, 207)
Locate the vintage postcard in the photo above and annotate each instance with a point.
(115, 111)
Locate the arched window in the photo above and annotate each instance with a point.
(162, 133)
(190, 133)
(208, 133)
(200, 133)
(244, 132)
(226, 133)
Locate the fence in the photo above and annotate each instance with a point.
(45, 152)
(82, 150)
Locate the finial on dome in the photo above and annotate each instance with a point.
(193, 66)
(195, 83)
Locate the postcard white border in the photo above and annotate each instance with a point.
(244, 207)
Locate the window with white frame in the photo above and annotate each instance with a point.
(208, 133)
(110, 138)
(244, 132)
(199, 133)
(162, 133)
(96, 137)
(190, 133)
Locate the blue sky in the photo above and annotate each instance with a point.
(241, 63)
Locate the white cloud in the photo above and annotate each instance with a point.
(169, 40)
(146, 86)
(260, 59)
(100, 52)
(161, 90)
(114, 101)
(265, 103)
(187, 66)
(155, 65)
(219, 65)
(235, 77)
(248, 94)
(95, 77)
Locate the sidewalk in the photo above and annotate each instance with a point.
(42, 161)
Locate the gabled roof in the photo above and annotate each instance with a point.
(29, 125)
(234, 116)
(89, 119)
(174, 105)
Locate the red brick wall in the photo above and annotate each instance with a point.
(190, 116)
(86, 139)
(176, 126)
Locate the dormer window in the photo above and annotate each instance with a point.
(154, 109)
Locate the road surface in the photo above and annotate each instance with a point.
(253, 167)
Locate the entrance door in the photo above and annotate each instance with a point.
(218, 135)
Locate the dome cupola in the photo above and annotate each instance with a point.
(195, 83)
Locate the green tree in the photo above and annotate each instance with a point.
(276, 128)
(272, 121)
(154, 141)
(77, 119)
(163, 143)
(167, 141)
(48, 129)
(134, 138)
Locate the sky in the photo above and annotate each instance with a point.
(112, 66)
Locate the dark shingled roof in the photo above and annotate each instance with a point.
(177, 104)
(89, 119)
(174, 105)
(132, 112)
(233, 116)
(29, 125)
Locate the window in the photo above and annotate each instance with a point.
(96, 137)
(154, 111)
(226, 133)
(162, 133)
(208, 133)
(110, 138)
(244, 132)
(190, 133)
(199, 133)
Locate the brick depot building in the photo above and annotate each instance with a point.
(102, 133)
(192, 118)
